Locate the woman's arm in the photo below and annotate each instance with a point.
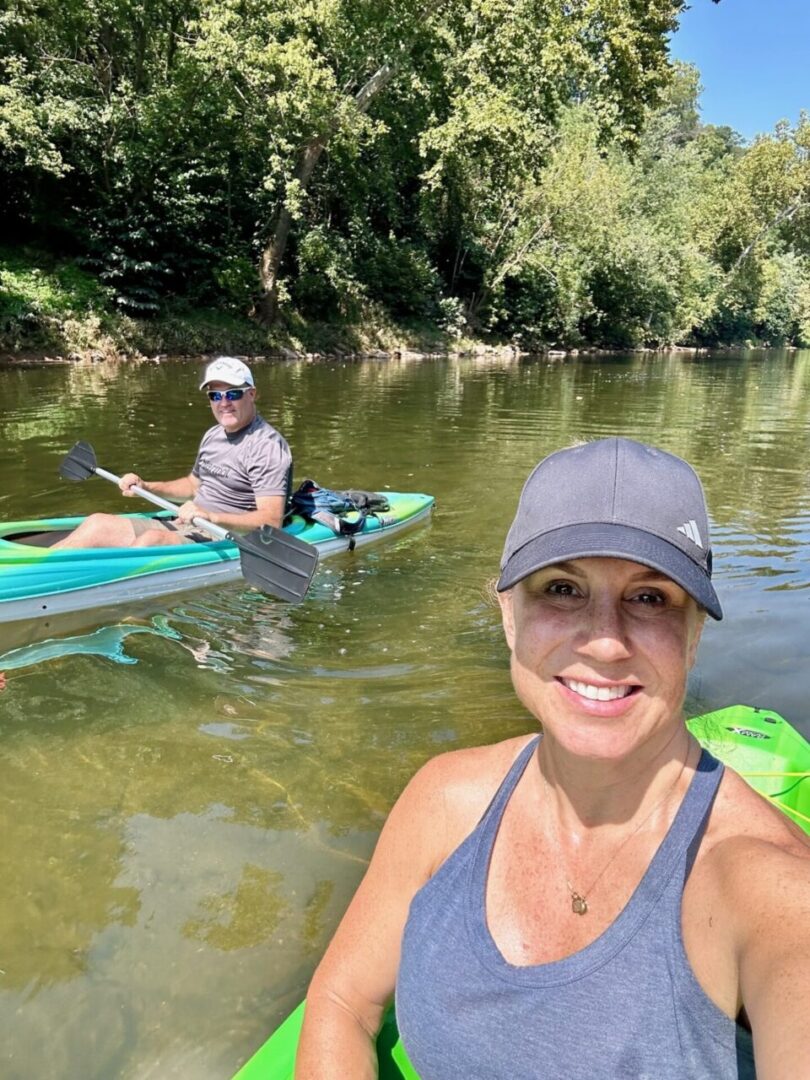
(355, 980)
(773, 895)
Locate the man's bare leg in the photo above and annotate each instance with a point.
(100, 530)
(161, 538)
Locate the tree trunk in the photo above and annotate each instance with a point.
(273, 253)
(785, 214)
(274, 250)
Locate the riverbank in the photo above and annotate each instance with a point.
(54, 311)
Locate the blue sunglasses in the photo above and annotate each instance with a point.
(230, 395)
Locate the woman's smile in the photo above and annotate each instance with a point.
(598, 693)
(601, 639)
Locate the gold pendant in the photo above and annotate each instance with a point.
(579, 905)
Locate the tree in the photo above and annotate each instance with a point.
(496, 74)
(518, 163)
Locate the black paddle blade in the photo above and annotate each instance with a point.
(277, 563)
(80, 464)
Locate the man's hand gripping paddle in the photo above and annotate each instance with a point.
(271, 559)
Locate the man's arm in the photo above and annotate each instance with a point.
(269, 511)
(185, 487)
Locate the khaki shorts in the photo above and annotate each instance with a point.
(189, 534)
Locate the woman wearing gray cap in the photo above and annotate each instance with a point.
(605, 900)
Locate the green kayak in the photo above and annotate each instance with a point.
(38, 582)
(760, 745)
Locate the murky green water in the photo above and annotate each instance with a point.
(188, 795)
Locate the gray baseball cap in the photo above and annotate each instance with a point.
(616, 498)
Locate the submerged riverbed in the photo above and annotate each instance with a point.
(189, 793)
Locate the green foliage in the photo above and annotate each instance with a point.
(780, 306)
(326, 280)
(33, 299)
(535, 169)
(235, 277)
(693, 238)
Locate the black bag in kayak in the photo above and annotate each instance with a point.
(316, 503)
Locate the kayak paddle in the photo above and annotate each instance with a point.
(272, 560)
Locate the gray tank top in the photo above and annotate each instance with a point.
(627, 1005)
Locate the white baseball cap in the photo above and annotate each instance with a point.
(228, 369)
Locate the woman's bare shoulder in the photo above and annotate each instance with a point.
(757, 867)
(474, 772)
(459, 785)
(751, 881)
(471, 763)
(752, 849)
(742, 816)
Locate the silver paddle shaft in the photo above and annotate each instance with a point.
(202, 523)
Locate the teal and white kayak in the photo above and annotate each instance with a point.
(38, 582)
(759, 744)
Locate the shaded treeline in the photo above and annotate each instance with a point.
(531, 168)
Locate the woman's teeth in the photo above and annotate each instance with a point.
(597, 693)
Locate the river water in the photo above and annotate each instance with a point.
(189, 793)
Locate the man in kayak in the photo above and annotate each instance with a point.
(603, 899)
(239, 479)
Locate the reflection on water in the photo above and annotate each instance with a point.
(189, 793)
(107, 641)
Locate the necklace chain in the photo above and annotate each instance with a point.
(579, 902)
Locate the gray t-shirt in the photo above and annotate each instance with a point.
(235, 470)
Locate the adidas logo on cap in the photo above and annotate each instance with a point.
(690, 530)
